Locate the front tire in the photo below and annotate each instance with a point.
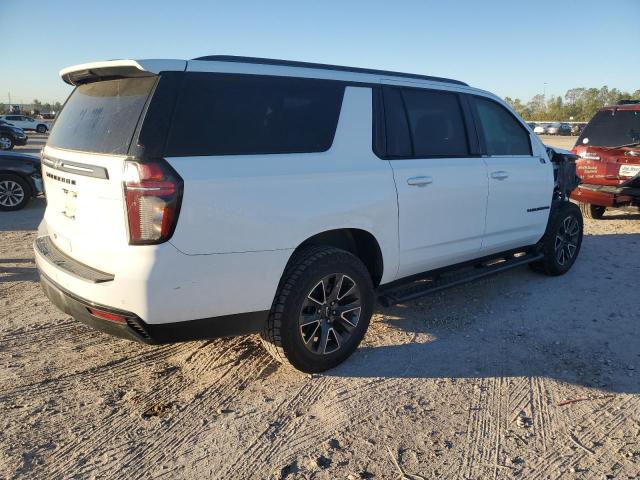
(321, 310)
(562, 241)
(590, 210)
(6, 142)
(41, 128)
(14, 193)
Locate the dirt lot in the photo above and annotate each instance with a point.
(469, 383)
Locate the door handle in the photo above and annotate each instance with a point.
(419, 181)
(500, 175)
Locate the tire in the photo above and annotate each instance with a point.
(561, 242)
(303, 333)
(41, 128)
(14, 193)
(590, 210)
(6, 142)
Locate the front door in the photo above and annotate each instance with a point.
(520, 182)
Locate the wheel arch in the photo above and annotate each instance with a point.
(22, 177)
(361, 243)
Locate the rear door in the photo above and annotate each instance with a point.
(440, 178)
(83, 164)
(520, 183)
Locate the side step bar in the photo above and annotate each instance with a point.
(435, 283)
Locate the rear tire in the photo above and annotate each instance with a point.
(14, 193)
(321, 310)
(561, 242)
(590, 210)
(41, 128)
(6, 142)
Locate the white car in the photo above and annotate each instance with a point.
(26, 123)
(540, 129)
(553, 129)
(306, 192)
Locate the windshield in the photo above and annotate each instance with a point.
(101, 117)
(609, 128)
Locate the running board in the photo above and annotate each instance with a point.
(427, 285)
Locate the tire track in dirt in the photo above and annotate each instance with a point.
(122, 367)
(600, 430)
(94, 436)
(219, 391)
(261, 446)
(474, 427)
(23, 336)
(121, 429)
(298, 435)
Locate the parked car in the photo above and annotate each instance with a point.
(282, 211)
(20, 180)
(553, 129)
(26, 123)
(540, 129)
(609, 164)
(10, 136)
(564, 129)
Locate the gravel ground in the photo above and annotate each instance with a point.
(469, 383)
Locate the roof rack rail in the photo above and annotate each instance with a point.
(323, 66)
(628, 101)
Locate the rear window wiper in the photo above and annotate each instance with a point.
(634, 144)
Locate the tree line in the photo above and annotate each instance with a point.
(36, 107)
(578, 104)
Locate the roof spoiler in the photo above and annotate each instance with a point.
(92, 72)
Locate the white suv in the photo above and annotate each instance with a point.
(306, 192)
(26, 123)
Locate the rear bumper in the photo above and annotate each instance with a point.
(138, 330)
(607, 195)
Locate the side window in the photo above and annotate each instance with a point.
(397, 131)
(223, 114)
(436, 123)
(503, 134)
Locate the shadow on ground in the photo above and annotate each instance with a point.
(23, 220)
(582, 328)
(25, 272)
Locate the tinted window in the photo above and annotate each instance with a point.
(436, 123)
(610, 128)
(102, 116)
(503, 134)
(397, 131)
(220, 114)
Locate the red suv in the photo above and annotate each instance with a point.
(609, 163)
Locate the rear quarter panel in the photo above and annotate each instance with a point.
(252, 203)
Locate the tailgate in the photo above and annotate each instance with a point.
(85, 207)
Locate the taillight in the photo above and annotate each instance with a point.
(153, 192)
(112, 317)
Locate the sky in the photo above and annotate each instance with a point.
(512, 48)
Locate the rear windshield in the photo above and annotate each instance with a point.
(610, 128)
(101, 117)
